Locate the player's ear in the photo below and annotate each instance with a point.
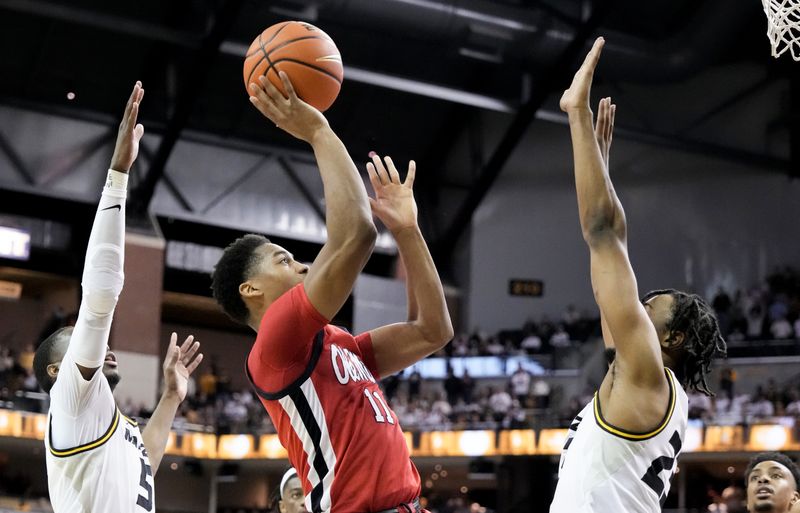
(674, 340)
(282, 506)
(249, 290)
(52, 369)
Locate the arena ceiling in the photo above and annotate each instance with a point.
(419, 74)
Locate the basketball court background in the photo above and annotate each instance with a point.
(706, 158)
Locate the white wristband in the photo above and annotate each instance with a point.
(116, 184)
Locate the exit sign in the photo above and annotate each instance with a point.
(529, 288)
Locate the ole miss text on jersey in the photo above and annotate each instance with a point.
(319, 385)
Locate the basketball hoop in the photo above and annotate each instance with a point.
(783, 26)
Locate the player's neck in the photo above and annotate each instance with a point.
(256, 314)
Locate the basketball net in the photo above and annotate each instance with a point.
(783, 26)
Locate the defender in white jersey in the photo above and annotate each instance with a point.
(97, 459)
(622, 448)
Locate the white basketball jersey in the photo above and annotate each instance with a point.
(605, 469)
(108, 469)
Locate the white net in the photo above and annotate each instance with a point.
(783, 26)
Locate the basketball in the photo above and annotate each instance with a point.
(305, 53)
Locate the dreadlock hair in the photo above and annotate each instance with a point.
(233, 268)
(778, 458)
(45, 356)
(702, 339)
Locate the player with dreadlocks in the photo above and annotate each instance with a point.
(621, 449)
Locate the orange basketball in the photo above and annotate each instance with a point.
(305, 53)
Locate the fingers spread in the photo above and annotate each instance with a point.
(187, 343)
(374, 179)
(187, 355)
(394, 176)
(412, 173)
(380, 170)
(192, 366)
(172, 351)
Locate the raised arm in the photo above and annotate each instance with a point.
(103, 271)
(428, 327)
(604, 230)
(351, 232)
(180, 362)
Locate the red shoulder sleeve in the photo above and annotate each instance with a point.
(364, 343)
(284, 341)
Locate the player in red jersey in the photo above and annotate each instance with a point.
(318, 382)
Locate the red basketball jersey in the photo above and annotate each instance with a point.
(319, 386)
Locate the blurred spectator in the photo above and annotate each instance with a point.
(721, 302)
(467, 386)
(414, 383)
(700, 406)
(500, 403)
(442, 406)
(390, 386)
(531, 343)
(460, 346)
(727, 380)
(560, 338)
(541, 394)
(778, 309)
(760, 407)
(755, 321)
(571, 316)
(26, 358)
(793, 403)
(495, 348)
(453, 386)
(521, 384)
(208, 382)
(781, 328)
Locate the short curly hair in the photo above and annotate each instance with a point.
(46, 354)
(232, 269)
(778, 458)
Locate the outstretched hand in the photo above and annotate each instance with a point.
(394, 201)
(604, 128)
(289, 113)
(179, 364)
(130, 133)
(576, 98)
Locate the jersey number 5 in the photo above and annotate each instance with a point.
(146, 503)
(652, 477)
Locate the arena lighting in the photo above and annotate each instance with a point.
(437, 443)
(769, 437)
(551, 441)
(723, 438)
(15, 243)
(269, 447)
(476, 443)
(235, 447)
(200, 445)
(517, 442)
